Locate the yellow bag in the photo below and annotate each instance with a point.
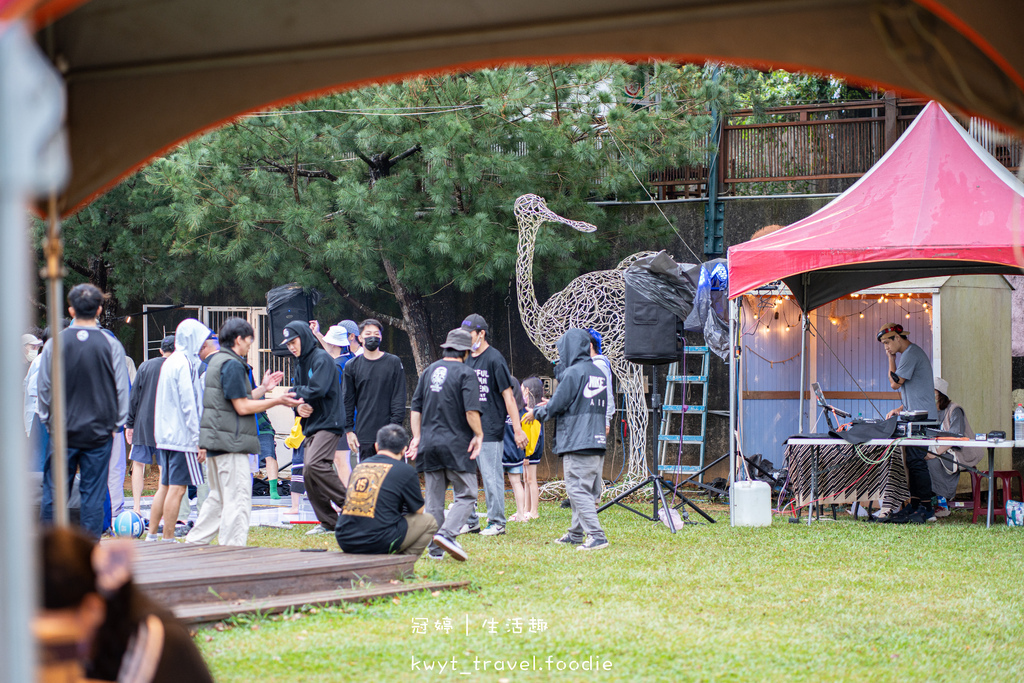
(295, 439)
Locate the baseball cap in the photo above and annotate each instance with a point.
(30, 339)
(167, 344)
(349, 326)
(942, 386)
(458, 340)
(895, 328)
(475, 322)
(336, 336)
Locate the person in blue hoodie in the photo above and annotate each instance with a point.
(578, 407)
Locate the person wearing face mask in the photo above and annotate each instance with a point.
(375, 391)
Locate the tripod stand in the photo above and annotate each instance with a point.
(659, 483)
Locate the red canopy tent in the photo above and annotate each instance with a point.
(935, 204)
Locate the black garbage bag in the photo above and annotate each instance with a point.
(285, 293)
(661, 280)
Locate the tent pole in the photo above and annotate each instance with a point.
(733, 360)
(33, 160)
(53, 248)
(803, 372)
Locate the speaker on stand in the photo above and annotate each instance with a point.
(653, 336)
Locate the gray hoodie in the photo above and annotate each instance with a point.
(179, 396)
(579, 403)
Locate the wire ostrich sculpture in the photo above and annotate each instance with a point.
(597, 300)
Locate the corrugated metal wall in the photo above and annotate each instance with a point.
(769, 364)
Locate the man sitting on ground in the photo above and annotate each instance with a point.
(383, 511)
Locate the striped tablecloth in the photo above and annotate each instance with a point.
(844, 477)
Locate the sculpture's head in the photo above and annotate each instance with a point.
(534, 204)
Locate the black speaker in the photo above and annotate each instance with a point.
(653, 334)
(284, 305)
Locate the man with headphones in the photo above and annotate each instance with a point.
(912, 376)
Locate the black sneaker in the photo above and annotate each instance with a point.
(921, 515)
(451, 546)
(569, 539)
(594, 543)
(434, 554)
(565, 504)
(901, 516)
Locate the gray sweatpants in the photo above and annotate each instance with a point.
(493, 475)
(464, 488)
(583, 484)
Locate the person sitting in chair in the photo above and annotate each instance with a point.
(945, 474)
(383, 511)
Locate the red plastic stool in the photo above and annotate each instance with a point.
(1003, 482)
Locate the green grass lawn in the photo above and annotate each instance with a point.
(832, 601)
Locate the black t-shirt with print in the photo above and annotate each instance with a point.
(494, 377)
(446, 391)
(381, 491)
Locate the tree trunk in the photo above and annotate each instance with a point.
(416, 318)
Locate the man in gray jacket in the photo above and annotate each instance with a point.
(578, 407)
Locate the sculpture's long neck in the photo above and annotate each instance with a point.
(529, 309)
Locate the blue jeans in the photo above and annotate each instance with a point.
(93, 462)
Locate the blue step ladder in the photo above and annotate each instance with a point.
(668, 440)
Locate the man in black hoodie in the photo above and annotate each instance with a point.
(323, 422)
(578, 407)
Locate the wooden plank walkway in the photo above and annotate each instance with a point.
(210, 611)
(208, 583)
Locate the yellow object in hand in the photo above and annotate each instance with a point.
(294, 440)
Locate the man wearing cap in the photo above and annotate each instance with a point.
(139, 429)
(375, 391)
(323, 422)
(446, 439)
(912, 377)
(31, 344)
(497, 402)
(605, 366)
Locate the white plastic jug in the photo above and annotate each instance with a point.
(753, 503)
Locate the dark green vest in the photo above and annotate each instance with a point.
(221, 428)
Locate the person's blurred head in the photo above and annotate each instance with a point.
(392, 440)
(167, 345)
(85, 301)
(87, 587)
(236, 334)
(533, 392)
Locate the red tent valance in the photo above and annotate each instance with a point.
(935, 204)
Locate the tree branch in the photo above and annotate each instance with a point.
(370, 313)
(78, 268)
(407, 153)
(290, 172)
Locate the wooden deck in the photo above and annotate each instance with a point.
(209, 583)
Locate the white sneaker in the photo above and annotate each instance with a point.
(317, 530)
(493, 530)
(451, 546)
(467, 529)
